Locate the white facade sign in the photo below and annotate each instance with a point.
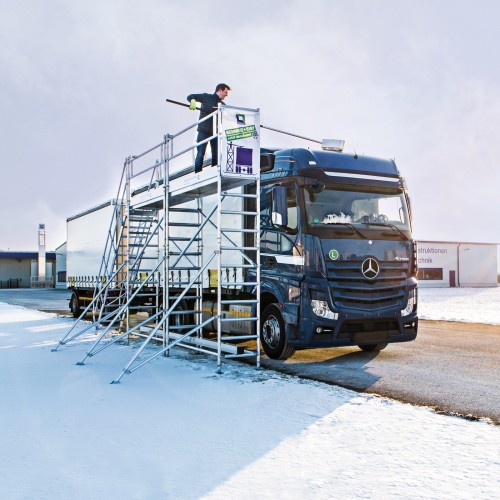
(442, 264)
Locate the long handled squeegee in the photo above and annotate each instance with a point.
(262, 126)
(178, 103)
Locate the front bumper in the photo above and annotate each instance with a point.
(355, 329)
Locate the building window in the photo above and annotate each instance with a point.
(61, 277)
(430, 274)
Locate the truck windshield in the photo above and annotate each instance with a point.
(359, 209)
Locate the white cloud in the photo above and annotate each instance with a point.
(84, 85)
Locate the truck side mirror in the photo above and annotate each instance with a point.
(279, 215)
(266, 162)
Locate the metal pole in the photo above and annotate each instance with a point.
(257, 263)
(166, 234)
(219, 243)
(127, 235)
(289, 133)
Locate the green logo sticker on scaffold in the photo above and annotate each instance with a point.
(235, 134)
(334, 255)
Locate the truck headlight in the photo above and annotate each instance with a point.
(321, 309)
(411, 304)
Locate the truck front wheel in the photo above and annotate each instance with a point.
(273, 335)
(372, 347)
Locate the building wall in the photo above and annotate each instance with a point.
(23, 266)
(16, 269)
(450, 264)
(61, 266)
(49, 271)
(478, 265)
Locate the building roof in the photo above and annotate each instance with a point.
(26, 255)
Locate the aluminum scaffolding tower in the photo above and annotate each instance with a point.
(181, 264)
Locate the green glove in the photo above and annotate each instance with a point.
(192, 104)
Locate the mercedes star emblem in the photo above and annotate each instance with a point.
(370, 268)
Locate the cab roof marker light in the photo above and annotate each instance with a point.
(362, 176)
(333, 145)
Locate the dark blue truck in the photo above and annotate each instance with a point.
(338, 262)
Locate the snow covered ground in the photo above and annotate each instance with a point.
(175, 429)
(476, 305)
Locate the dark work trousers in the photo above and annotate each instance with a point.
(198, 164)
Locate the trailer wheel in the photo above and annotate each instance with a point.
(372, 347)
(272, 334)
(178, 322)
(74, 305)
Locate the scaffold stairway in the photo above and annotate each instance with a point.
(127, 275)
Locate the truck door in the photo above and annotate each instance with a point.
(281, 256)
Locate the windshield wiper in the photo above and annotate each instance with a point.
(349, 226)
(392, 226)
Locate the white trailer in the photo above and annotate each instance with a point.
(87, 233)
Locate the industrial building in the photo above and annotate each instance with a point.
(440, 264)
(18, 269)
(457, 264)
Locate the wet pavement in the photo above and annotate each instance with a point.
(43, 299)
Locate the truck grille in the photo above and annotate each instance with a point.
(350, 289)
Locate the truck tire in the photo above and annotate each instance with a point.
(178, 322)
(273, 335)
(74, 305)
(372, 347)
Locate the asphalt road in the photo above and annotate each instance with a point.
(43, 299)
(452, 367)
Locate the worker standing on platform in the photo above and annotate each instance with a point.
(209, 103)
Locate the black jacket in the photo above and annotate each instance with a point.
(209, 103)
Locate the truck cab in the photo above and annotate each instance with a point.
(338, 262)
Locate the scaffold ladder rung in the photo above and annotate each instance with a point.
(237, 212)
(234, 320)
(238, 248)
(230, 338)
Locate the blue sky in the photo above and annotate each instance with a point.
(84, 85)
